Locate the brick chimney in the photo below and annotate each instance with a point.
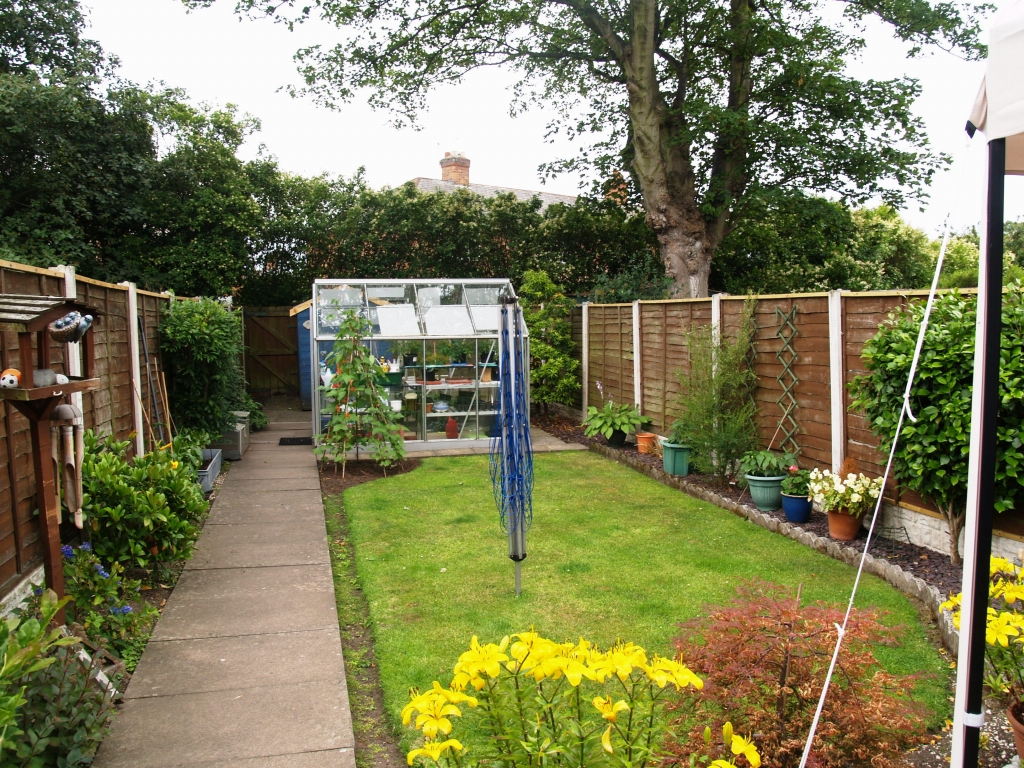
(455, 168)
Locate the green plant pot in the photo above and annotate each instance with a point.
(675, 458)
(766, 492)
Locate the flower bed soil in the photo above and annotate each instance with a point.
(928, 565)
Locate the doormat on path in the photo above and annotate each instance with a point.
(295, 441)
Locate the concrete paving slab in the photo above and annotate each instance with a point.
(270, 721)
(329, 758)
(284, 451)
(290, 423)
(175, 667)
(259, 546)
(248, 601)
(242, 509)
(304, 481)
(270, 471)
(302, 458)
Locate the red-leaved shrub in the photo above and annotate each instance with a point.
(764, 659)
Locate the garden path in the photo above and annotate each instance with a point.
(245, 669)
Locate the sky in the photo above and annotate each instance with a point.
(219, 59)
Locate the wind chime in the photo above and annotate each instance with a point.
(511, 449)
(67, 443)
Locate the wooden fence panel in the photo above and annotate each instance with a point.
(664, 355)
(107, 409)
(611, 354)
(271, 350)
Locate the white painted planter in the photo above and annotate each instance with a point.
(208, 475)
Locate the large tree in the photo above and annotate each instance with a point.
(705, 102)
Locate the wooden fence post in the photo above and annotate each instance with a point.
(837, 390)
(716, 327)
(135, 370)
(637, 354)
(586, 356)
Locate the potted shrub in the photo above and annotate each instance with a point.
(764, 472)
(845, 496)
(675, 453)
(796, 498)
(1004, 654)
(613, 421)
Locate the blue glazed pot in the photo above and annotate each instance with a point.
(766, 492)
(797, 508)
(675, 458)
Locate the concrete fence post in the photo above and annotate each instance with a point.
(74, 357)
(585, 356)
(135, 370)
(638, 392)
(837, 389)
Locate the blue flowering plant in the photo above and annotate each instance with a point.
(107, 605)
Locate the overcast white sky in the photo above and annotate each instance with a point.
(219, 59)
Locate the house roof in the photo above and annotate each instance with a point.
(487, 190)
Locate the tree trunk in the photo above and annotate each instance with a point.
(662, 166)
(955, 521)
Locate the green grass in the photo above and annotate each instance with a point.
(612, 554)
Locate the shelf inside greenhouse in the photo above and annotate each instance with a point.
(437, 341)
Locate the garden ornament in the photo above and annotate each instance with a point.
(511, 450)
(63, 329)
(67, 419)
(10, 379)
(44, 377)
(62, 379)
(83, 325)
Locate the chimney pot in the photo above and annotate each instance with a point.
(455, 168)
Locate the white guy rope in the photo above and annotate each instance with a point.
(904, 412)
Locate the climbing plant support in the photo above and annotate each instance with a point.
(787, 378)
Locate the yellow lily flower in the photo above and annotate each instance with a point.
(434, 749)
(1000, 629)
(452, 696)
(482, 658)
(606, 740)
(419, 703)
(433, 718)
(723, 764)
(608, 710)
(663, 671)
(621, 660)
(741, 746)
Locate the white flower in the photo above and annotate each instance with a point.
(855, 497)
(840, 488)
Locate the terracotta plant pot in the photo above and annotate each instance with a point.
(843, 526)
(645, 442)
(1018, 732)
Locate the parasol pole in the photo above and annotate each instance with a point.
(968, 712)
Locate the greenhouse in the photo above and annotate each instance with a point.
(437, 341)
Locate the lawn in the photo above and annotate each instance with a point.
(612, 554)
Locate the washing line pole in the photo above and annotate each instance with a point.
(968, 714)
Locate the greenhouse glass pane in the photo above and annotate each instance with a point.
(398, 320)
(333, 303)
(448, 321)
(390, 294)
(485, 318)
(485, 294)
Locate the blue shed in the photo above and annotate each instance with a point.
(305, 345)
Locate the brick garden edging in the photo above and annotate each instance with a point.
(906, 583)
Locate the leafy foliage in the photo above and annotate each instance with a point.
(724, 100)
(932, 454)
(554, 370)
(66, 715)
(612, 418)
(718, 416)
(105, 603)
(141, 513)
(796, 482)
(359, 413)
(24, 643)
(201, 343)
(766, 463)
(764, 658)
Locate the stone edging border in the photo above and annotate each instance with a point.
(906, 583)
